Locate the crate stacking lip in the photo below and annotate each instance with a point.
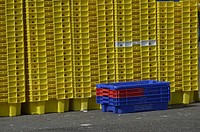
(135, 84)
(126, 97)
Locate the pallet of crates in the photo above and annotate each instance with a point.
(81, 54)
(12, 54)
(138, 96)
(93, 52)
(148, 39)
(123, 40)
(106, 42)
(37, 89)
(165, 35)
(63, 53)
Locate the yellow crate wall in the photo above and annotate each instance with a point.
(190, 45)
(50, 51)
(148, 39)
(36, 43)
(93, 44)
(63, 49)
(123, 40)
(81, 48)
(136, 40)
(165, 33)
(106, 38)
(3, 55)
(178, 44)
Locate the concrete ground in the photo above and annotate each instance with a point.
(175, 119)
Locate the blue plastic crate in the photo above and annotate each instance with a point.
(137, 84)
(156, 91)
(133, 100)
(134, 108)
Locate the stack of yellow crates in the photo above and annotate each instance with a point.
(166, 47)
(63, 53)
(81, 53)
(68, 46)
(123, 40)
(50, 51)
(190, 49)
(12, 58)
(178, 48)
(136, 40)
(37, 89)
(93, 44)
(148, 39)
(3, 56)
(106, 42)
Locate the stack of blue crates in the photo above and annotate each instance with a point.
(156, 96)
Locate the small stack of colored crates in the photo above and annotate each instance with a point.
(127, 97)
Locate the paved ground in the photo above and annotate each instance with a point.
(175, 119)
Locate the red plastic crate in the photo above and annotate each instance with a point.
(120, 93)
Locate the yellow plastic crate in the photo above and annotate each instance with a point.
(84, 104)
(10, 109)
(180, 97)
(42, 107)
